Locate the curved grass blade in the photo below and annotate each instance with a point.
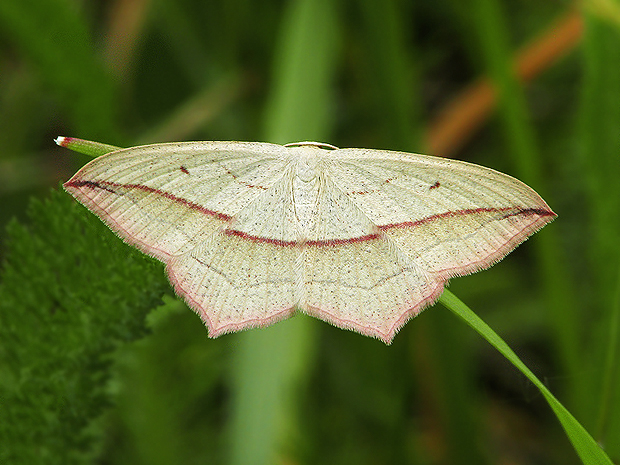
(587, 448)
(87, 147)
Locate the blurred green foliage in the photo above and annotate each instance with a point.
(84, 380)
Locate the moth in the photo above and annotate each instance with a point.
(251, 233)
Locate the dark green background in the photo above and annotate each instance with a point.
(84, 380)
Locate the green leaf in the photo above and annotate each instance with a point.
(70, 294)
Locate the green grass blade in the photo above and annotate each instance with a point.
(609, 404)
(599, 152)
(393, 73)
(269, 369)
(87, 147)
(53, 37)
(491, 25)
(587, 448)
(272, 363)
(300, 101)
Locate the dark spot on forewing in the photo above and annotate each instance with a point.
(185, 170)
(254, 186)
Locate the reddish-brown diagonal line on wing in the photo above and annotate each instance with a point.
(109, 186)
(311, 243)
(510, 211)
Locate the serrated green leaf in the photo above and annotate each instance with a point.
(71, 293)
